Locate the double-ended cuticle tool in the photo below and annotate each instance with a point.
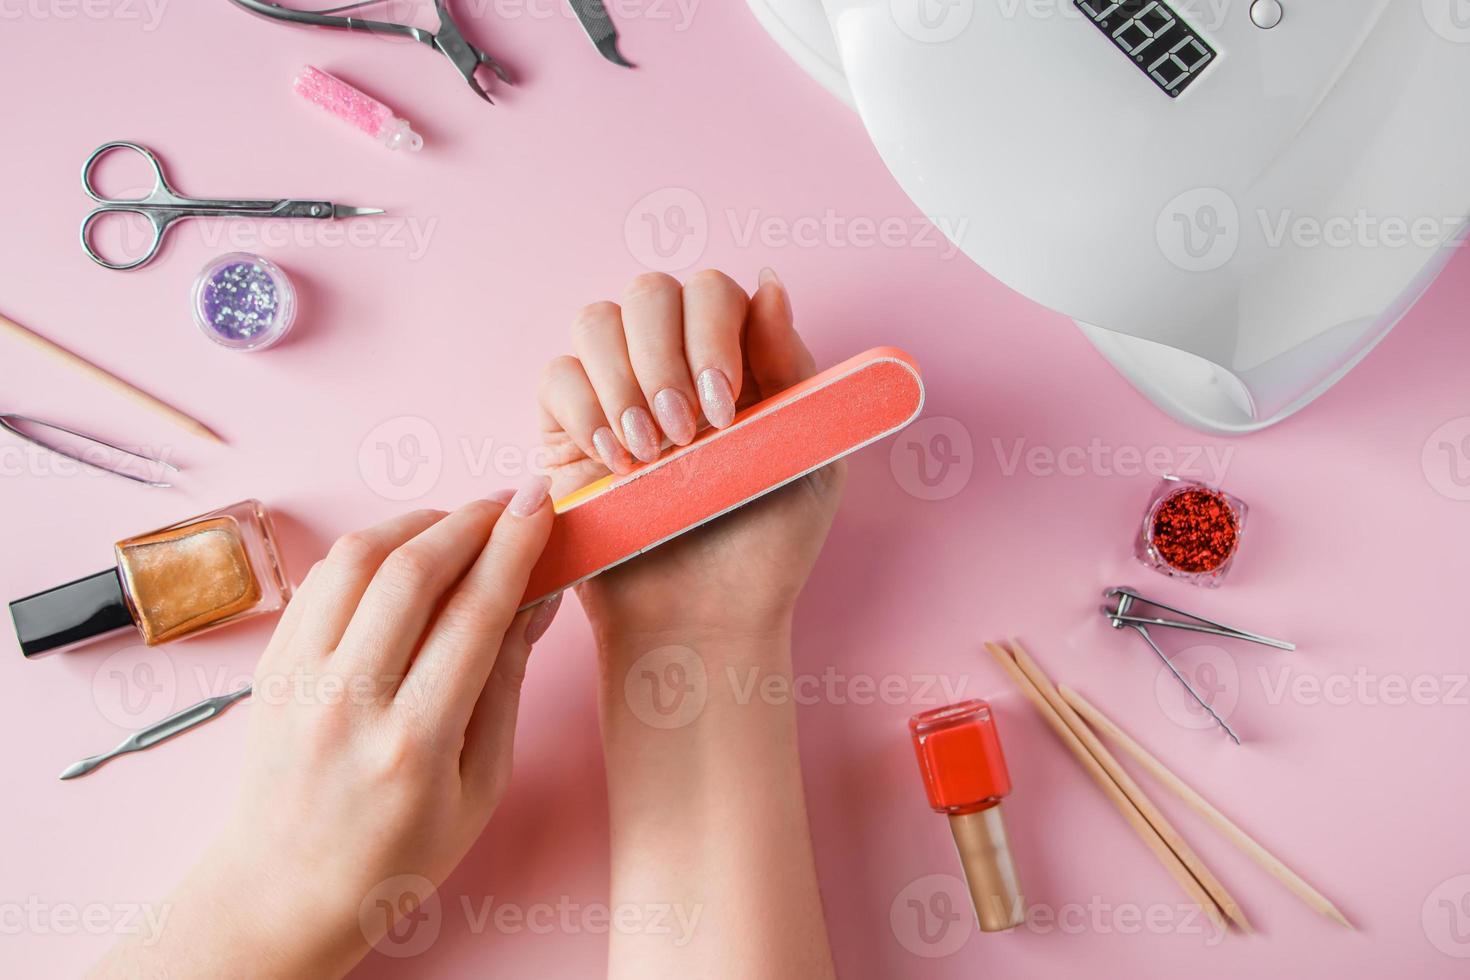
(160, 731)
(1124, 614)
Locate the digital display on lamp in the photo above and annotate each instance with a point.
(1155, 38)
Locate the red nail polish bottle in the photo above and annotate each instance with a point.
(965, 777)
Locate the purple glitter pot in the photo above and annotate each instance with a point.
(243, 302)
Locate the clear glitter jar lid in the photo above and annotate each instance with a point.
(243, 302)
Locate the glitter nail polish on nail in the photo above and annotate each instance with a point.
(529, 498)
(768, 276)
(641, 433)
(674, 415)
(613, 455)
(541, 618)
(715, 397)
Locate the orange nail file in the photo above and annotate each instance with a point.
(770, 444)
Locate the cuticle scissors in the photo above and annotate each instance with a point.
(162, 206)
(449, 40)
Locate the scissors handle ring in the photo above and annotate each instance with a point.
(159, 222)
(161, 190)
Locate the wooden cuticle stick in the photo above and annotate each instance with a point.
(1132, 790)
(1145, 830)
(107, 379)
(1245, 842)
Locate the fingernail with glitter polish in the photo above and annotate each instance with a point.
(769, 277)
(715, 397)
(541, 618)
(613, 455)
(529, 498)
(640, 433)
(674, 415)
(501, 497)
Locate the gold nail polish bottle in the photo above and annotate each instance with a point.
(171, 583)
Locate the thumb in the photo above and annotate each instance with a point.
(776, 356)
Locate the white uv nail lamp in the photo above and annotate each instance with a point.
(1234, 199)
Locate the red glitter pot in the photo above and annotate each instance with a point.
(1191, 531)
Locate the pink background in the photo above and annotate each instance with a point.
(1355, 547)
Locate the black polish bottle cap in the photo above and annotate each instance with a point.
(68, 614)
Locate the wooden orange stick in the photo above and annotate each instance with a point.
(1253, 849)
(117, 384)
(1132, 790)
(1146, 831)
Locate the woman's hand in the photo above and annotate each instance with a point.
(380, 744)
(706, 806)
(654, 369)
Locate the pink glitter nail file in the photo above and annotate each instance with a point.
(355, 107)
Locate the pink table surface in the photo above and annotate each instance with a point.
(432, 325)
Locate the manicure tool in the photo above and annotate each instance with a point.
(174, 724)
(112, 381)
(14, 424)
(162, 206)
(448, 41)
(770, 444)
(1122, 616)
(599, 27)
(1152, 827)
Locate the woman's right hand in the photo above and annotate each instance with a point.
(380, 743)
